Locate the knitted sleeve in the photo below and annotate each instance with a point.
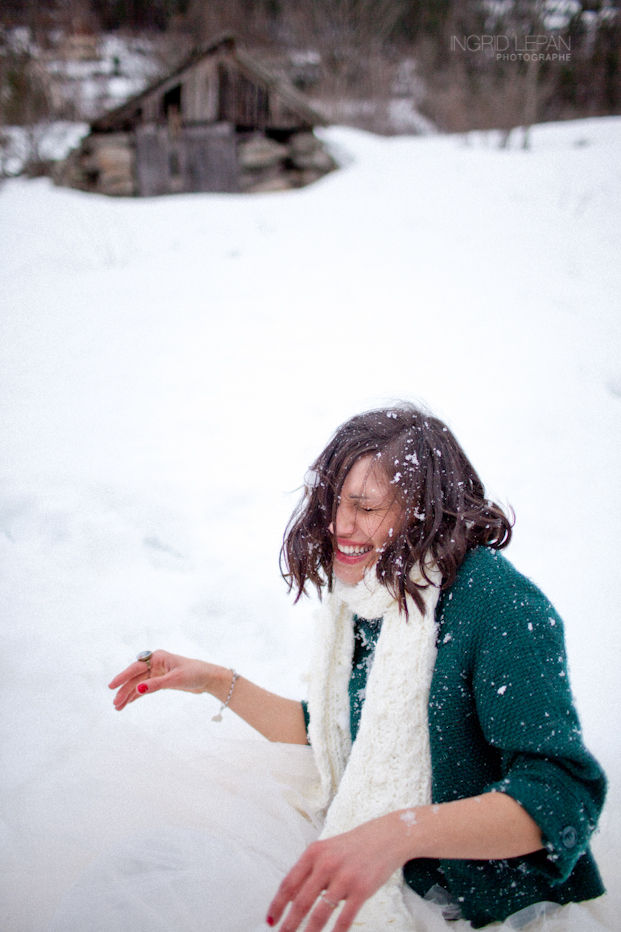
(306, 714)
(526, 712)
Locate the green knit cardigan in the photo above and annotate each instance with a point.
(502, 718)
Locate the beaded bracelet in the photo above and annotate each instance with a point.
(218, 717)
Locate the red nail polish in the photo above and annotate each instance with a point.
(270, 921)
(142, 687)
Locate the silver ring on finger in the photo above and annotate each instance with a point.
(145, 657)
(327, 901)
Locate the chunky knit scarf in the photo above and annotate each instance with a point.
(389, 766)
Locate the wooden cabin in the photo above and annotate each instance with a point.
(219, 122)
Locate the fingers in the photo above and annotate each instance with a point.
(129, 692)
(321, 914)
(290, 887)
(337, 873)
(324, 907)
(167, 671)
(140, 685)
(153, 684)
(316, 885)
(302, 904)
(135, 674)
(348, 914)
(133, 670)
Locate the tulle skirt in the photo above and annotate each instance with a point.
(130, 836)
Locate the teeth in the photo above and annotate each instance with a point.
(350, 551)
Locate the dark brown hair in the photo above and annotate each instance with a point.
(445, 512)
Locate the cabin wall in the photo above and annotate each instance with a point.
(200, 93)
(217, 126)
(198, 159)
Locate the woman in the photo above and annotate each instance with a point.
(440, 716)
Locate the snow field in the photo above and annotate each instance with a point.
(170, 367)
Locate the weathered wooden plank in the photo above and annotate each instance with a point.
(152, 160)
(210, 158)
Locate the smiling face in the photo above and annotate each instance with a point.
(367, 518)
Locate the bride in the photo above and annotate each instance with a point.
(440, 771)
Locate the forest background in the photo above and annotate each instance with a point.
(459, 64)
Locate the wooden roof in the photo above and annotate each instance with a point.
(248, 66)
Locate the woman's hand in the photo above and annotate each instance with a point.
(275, 717)
(168, 671)
(354, 865)
(349, 867)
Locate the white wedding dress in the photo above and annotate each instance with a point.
(125, 835)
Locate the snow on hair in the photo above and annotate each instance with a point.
(445, 511)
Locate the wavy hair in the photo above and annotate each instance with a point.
(444, 508)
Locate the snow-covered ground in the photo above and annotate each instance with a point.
(170, 367)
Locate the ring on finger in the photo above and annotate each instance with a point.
(327, 901)
(145, 657)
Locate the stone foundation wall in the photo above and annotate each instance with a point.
(266, 165)
(105, 163)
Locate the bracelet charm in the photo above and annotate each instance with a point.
(218, 716)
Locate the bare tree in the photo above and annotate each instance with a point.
(480, 89)
(357, 63)
(25, 99)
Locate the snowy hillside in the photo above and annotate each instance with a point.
(170, 367)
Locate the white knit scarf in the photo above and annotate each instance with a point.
(389, 765)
